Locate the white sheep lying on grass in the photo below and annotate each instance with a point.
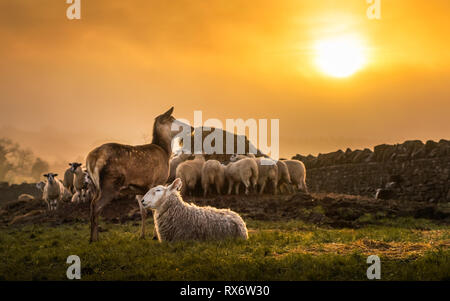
(177, 220)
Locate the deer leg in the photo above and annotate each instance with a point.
(143, 215)
(105, 196)
(155, 235)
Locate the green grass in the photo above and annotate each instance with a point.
(409, 250)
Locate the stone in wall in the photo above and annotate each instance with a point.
(424, 170)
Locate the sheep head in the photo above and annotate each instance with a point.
(74, 166)
(51, 177)
(156, 196)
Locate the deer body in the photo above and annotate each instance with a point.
(118, 170)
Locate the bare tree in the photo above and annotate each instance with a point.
(39, 168)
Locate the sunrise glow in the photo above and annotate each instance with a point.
(340, 56)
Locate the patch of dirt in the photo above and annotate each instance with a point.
(331, 210)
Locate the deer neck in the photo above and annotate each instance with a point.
(165, 142)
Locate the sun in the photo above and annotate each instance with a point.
(340, 56)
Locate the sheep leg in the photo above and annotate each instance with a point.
(274, 185)
(230, 186)
(285, 189)
(289, 188)
(305, 188)
(255, 185)
(236, 188)
(218, 187)
(205, 190)
(247, 184)
(263, 185)
(183, 188)
(143, 215)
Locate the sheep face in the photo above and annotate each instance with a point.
(50, 177)
(74, 166)
(156, 196)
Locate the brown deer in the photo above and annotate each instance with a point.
(120, 170)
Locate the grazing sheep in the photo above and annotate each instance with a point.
(243, 171)
(268, 174)
(297, 172)
(284, 179)
(53, 191)
(190, 173)
(212, 174)
(174, 162)
(176, 220)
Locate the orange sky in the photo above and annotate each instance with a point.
(67, 86)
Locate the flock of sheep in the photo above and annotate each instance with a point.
(76, 187)
(177, 220)
(255, 174)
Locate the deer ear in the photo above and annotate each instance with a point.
(168, 113)
(176, 184)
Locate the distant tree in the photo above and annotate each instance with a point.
(39, 168)
(5, 148)
(15, 162)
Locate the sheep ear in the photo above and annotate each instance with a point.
(55, 175)
(176, 184)
(46, 175)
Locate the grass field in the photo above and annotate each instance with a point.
(409, 249)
